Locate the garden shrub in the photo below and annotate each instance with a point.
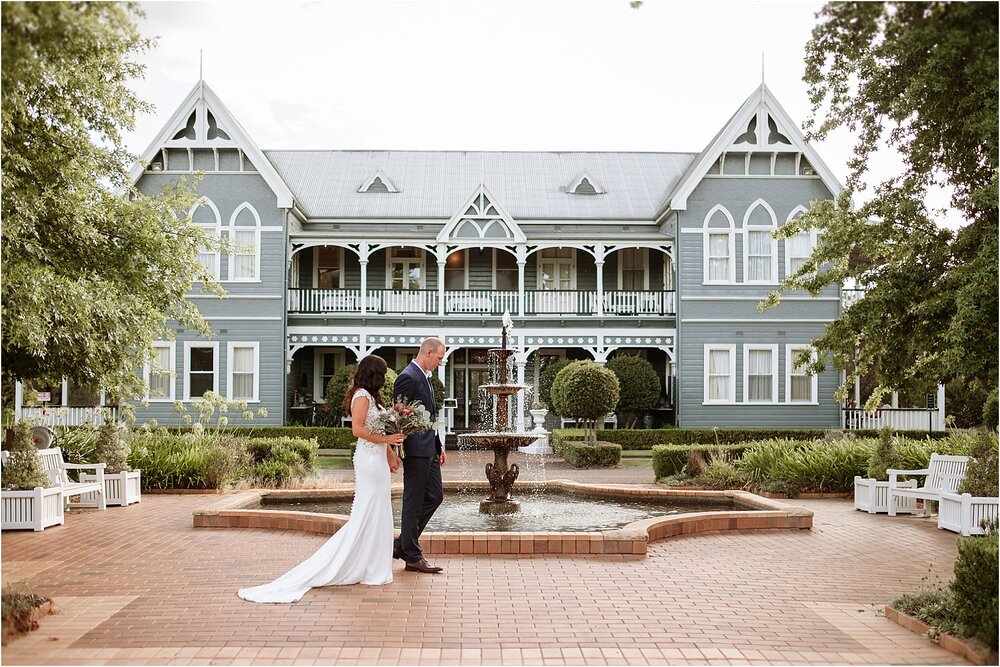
(884, 455)
(17, 609)
(975, 587)
(585, 391)
(981, 478)
(277, 461)
(77, 443)
(22, 471)
(546, 378)
(823, 468)
(672, 460)
(591, 455)
(325, 437)
(560, 436)
(190, 461)
(991, 411)
(639, 383)
(341, 382)
(111, 449)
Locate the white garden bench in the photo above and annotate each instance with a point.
(943, 474)
(55, 467)
(610, 419)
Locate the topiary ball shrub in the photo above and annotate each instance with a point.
(550, 369)
(586, 392)
(591, 455)
(639, 384)
(975, 587)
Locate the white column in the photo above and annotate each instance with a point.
(441, 414)
(18, 400)
(363, 260)
(520, 285)
(894, 400)
(521, 362)
(440, 308)
(940, 407)
(600, 287)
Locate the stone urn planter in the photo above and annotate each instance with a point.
(120, 488)
(538, 416)
(872, 496)
(36, 509)
(964, 513)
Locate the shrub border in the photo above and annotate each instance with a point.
(971, 650)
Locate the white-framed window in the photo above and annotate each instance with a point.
(206, 216)
(798, 248)
(760, 373)
(405, 269)
(760, 248)
(556, 269)
(719, 262)
(633, 269)
(328, 270)
(799, 387)
(504, 271)
(201, 369)
(326, 362)
(243, 363)
(244, 232)
(456, 273)
(160, 372)
(720, 373)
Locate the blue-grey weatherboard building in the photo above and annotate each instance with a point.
(664, 255)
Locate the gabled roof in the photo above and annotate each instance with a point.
(203, 121)
(761, 124)
(482, 218)
(435, 184)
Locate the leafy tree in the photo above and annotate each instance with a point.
(921, 78)
(547, 376)
(585, 391)
(90, 277)
(640, 385)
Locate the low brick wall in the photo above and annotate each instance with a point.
(243, 511)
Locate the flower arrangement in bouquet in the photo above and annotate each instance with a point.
(406, 417)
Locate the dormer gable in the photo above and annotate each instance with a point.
(378, 182)
(202, 121)
(585, 184)
(481, 219)
(761, 131)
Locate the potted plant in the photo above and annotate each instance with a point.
(29, 500)
(122, 485)
(871, 494)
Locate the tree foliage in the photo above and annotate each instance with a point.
(90, 277)
(921, 78)
(640, 385)
(587, 392)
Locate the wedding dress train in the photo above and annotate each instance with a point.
(361, 551)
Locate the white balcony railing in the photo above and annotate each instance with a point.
(66, 416)
(481, 302)
(900, 419)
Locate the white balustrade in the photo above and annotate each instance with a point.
(66, 416)
(900, 419)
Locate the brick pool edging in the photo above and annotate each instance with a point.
(242, 511)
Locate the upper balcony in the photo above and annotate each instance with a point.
(478, 303)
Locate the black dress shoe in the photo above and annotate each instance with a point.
(422, 566)
(397, 553)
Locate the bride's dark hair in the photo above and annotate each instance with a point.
(370, 376)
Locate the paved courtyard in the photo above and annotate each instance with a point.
(139, 585)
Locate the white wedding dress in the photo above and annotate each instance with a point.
(361, 551)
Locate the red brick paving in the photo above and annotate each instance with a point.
(139, 585)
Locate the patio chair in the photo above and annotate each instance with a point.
(943, 474)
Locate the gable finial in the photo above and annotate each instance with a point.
(201, 64)
(762, 68)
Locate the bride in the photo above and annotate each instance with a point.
(361, 551)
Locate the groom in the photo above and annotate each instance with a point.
(424, 456)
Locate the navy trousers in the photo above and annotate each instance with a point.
(422, 495)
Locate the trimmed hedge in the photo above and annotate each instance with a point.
(581, 454)
(326, 437)
(975, 587)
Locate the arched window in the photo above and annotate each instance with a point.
(719, 246)
(760, 248)
(205, 215)
(244, 232)
(798, 248)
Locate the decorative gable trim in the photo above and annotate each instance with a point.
(760, 125)
(585, 185)
(203, 121)
(481, 219)
(379, 182)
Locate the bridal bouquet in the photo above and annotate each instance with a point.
(406, 417)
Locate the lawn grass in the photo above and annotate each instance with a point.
(334, 462)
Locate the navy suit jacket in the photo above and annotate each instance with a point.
(413, 385)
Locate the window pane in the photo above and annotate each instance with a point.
(243, 360)
(200, 383)
(801, 388)
(242, 386)
(202, 359)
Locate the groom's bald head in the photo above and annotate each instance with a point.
(431, 354)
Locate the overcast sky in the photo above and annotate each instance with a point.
(561, 76)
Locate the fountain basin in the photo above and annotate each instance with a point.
(244, 511)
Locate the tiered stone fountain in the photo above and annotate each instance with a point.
(502, 439)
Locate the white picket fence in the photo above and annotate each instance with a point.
(66, 416)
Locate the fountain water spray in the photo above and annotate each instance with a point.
(500, 476)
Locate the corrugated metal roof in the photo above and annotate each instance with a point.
(434, 184)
